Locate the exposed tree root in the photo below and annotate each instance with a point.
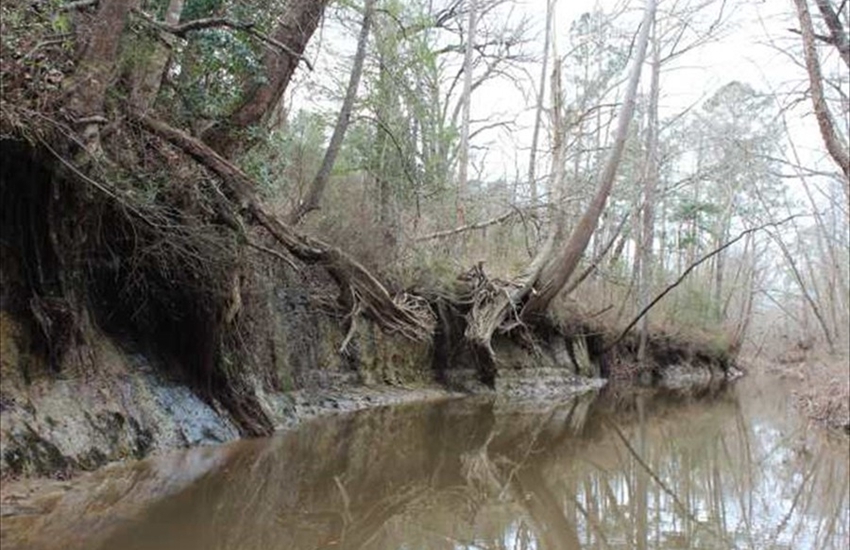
(402, 314)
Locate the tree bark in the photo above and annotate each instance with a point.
(837, 150)
(295, 28)
(317, 188)
(97, 66)
(650, 184)
(147, 79)
(463, 157)
(836, 31)
(558, 268)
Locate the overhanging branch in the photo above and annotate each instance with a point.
(184, 29)
(687, 272)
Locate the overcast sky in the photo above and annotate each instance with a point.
(747, 49)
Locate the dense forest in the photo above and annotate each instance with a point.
(464, 175)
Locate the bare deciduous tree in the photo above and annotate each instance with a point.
(555, 262)
(317, 187)
(466, 98)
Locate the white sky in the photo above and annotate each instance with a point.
(745, 51)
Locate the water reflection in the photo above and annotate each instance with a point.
(627, 470)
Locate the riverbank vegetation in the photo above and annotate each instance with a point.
(186, 177)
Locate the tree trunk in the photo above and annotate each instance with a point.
(558, 268)
(147, 80)
(97, 65)
(395, 314)
(551, 268)
(260, 95)
(650, 184)
(836, 149)
(836, 31)
(463, 158)
(317, 187)
(538, 115)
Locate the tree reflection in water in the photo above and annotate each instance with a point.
(629, 469)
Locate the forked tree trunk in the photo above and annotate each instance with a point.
(560, 265)
(317, 188)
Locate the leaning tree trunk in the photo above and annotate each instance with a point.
(553, 265)
(317, 187)
(837, 150)
(260, 95)
(559, 266)
(400, 314)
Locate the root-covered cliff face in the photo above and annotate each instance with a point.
(151, 298)
(138, 313)
(130, 324)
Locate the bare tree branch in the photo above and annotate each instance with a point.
(687, 272)
(183, 29)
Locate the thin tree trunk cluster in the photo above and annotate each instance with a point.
(555, 263)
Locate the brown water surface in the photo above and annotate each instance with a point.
(626, 469)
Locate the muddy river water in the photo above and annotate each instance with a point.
(625, 469)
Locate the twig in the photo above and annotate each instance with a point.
(687, 271)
